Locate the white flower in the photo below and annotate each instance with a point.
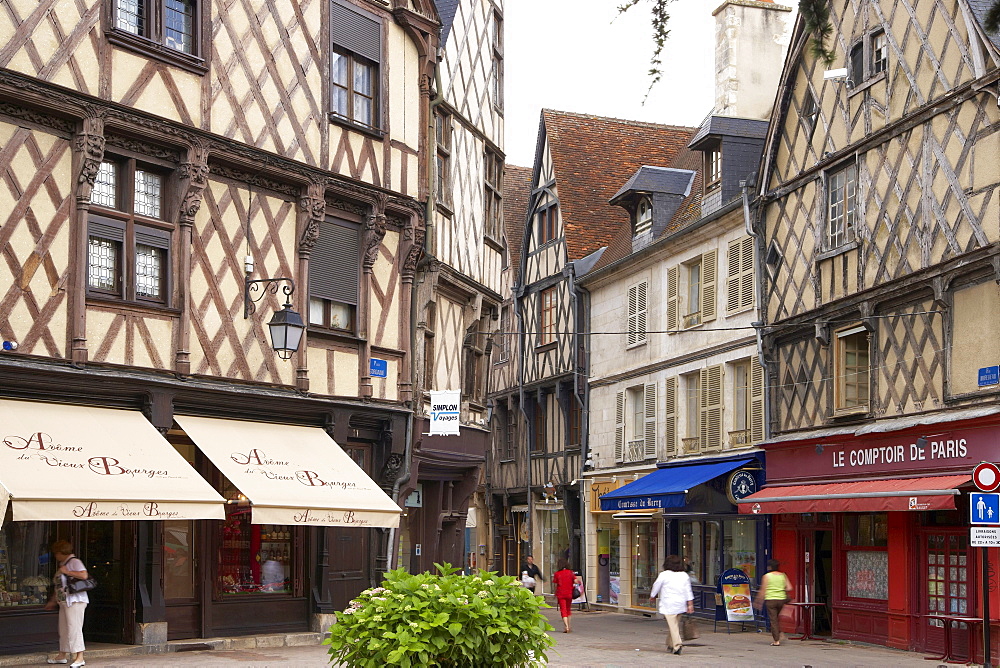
(482, 594)
(425, 586)
(414, 624)
(489, 582)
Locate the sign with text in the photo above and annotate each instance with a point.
(736, 595)
(446, 406)
(984, 536)
(989, 375)
(378, 368)
(984, 508)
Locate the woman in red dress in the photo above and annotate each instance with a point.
(564, 579)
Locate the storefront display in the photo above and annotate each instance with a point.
(26, 566)
(254, 558)
(646, 561)
(555, 540)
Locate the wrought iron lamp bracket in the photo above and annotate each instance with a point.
(255, 289)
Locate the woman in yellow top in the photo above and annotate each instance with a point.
(775, 591)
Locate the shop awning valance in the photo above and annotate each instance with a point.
(292, 475)
(4, 498)
(860, 496)
(666, 487)
(63, 462)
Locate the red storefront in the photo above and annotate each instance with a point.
(873, 527)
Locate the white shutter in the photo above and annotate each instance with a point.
(670, 417)
(739, 281)
(709, 270)
(746, 273)
(649, 445)
(733, 286)
(637, 313)
(711, 408)
(619, 426)
(756, 402)
(673, 278)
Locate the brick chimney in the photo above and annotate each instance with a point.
(751, 37)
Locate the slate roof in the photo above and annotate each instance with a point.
(730, 126)
(658, 180)
(593, 156)
(980, 9)
(446, 11)
(516, 189)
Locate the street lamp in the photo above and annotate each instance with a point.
(286, 325)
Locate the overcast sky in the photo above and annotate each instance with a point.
(574, 55)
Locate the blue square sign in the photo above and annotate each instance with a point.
(989, 375)
(378, 368)
(985, 508)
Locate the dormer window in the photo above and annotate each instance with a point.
(644, 216)
(713, 167)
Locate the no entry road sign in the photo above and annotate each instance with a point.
(986, 475)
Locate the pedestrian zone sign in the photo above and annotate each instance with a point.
(985, 508)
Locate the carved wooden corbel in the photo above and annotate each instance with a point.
(822, 332)
(313, 203)
(939, 285)
(90, 144)
(193, 175)
(375, 229)
(867, 318)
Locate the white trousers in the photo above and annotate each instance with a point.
(674, 631)
(71, 627)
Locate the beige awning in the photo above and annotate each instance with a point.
(292, 475)
(62, 462)
(4, 498)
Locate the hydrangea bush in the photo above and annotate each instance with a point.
(442, 619)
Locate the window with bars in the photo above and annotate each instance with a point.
(493, 194)
(853, 369)
(356, 55)
(159, 28)
(334, 275)
(128, 237)
(842, 204)
(547, 316)
(637, 313)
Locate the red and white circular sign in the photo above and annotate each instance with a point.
(986, 475)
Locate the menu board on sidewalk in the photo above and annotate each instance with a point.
(736, 595)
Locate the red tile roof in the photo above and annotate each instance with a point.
(516, 189)
(593, 156)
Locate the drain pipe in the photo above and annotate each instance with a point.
(429, 245)
(758, 325)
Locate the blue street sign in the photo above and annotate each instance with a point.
(985, 508)
(378, 368)
(989, 375)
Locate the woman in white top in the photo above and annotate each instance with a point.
(673, 589)
(71, 605)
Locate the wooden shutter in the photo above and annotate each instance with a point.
(746, 273)
(106, 228)
(637, 313)
(673, 278)
(619, 426)
(649, 434)
(709, 270)
(710, 422)
(756, 402)
(670, 416)
(335, 263)
(356, 30)
(733, 278)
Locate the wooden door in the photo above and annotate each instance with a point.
(107, 550)
(182, 579)
(948, 589)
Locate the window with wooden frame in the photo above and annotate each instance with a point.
(842, 204)
(169, 30)
(493, 194)
(711, 408)
(643, 216)
(713, 167)
(748, 403)
(429, 325)
(539, 442)
(869, 57)
(740, 277)
(575, 426)
(691, 386)
(853, 369)
(334, 275)
(635, 427)
(637, 314)
(496, 67)
(546, 221)
(474, 386)
(355, 66)
(691, 290)
(503, 340)
(547, 316)
(443, 131)
(510, 433)
(128, 236)
(810, 113)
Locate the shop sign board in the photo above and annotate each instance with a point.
(445, 413)
(984, 536)
(736, 595)
(984, 508)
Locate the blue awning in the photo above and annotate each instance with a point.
(666, 487)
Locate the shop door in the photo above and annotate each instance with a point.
(822, 581)
(947, 592)
(106, 549)
(181, 579)
(348, 564)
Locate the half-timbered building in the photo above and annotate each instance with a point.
(675, 386)
(878, 228)
(157, 162)
(457, 296)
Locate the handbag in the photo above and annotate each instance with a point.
(76, 585)
(689, 630)
(577, 591)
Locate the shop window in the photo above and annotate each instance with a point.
(179, 560)
(554, 542)
(645, 562)
(692, 545)
(865, 537)
(253, 558)
(740, 546)
(26, 564)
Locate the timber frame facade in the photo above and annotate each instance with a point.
(878, 226)
(145, 175)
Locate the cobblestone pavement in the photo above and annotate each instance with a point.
(598, 640)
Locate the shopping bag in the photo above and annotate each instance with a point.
(786, 619)
(689, 629)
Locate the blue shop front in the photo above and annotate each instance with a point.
(692, 505)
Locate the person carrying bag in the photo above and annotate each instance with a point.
(69, 594)
(775, 591)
